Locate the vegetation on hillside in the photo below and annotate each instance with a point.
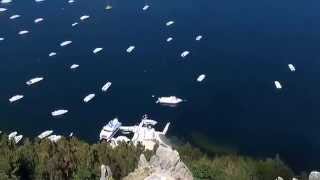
(71, 158)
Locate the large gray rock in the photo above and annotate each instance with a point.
(165, 164)
(314, 175)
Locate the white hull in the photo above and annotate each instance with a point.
(59, 112)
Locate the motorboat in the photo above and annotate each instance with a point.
(74, 24)
(291, 67)
(84, 17)
(3, 9)
(17, 139)
(106, 86)
(6, 1)
(169, 39)
(65, 43)
(109, 130)
(108, 7)
(278, 84)
(74, 66)
(14, 16)
(23, 32)
(34, 80)
(52, 54)
(146, 7)
(185, 54)
(96, 50)
(130, 49)
(201, 77)
(71, 1)
(198, 38)
(169, 100)
(169, 23)
(15, 98)
(59, 112)
(54, 138)
(1, 39)
(12, 135)
(45, 134)
(38, 20)
(88, 98)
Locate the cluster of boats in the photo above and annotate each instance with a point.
(277, 83)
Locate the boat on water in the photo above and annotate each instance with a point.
(108, 7)
(74, 24)
(15, 98)
(71, 1)
(74, 66)
(146, 7)
(84, 17)
(54, 138)
(23, 32)
(52, 54)
(59, 112)
(65, 43)
(169, 23)
(201, 77)
(198, 38)
(34, 80)
(12, 135)
(173, 100)
(17, 139)
(109, 130)
(1, 39)
(278, 84)
(38, 20)
(130, 49)
(169, 39)
(14, 16)
(6, 1)
(185, 54)
(39, 0)
(88, 98)
(3, 9)
(96, 50)
(291, 67)
(45, 134)
(106, 86)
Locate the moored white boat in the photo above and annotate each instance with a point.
(45, 134)
(169, 23)
(74, 24)
(130, 49)
(14, 16)
(59, 112)
(169, 39)
(88, 98)
(52, 54)
(108, 7)
(15, 98)
(12, 135)
(84, 17)
(109, 130)
(38, 20)
(201, 77)
(185, 54)
(74, 66)
(146, 7)
(169, 100)
(65, 43)
(54, 138)
(6, 1)
(96, 50)
(198, 38)
(23, 32)
(291, 67)
(278, 84)
(34, 80)
(3, 9)
(106, 86)
(17, 139)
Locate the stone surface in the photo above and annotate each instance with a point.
(314, 175)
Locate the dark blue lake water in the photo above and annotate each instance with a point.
(247, 45)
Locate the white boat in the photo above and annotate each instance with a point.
(14, 16)
(34, 80)
(74, 24)
(146, 7)
(6, 1)
(18, 138)
(54, 138)
(74, 66)
(59, 112)
(65, 43)
(1, 39)
(201, 77)
(185, 54)
(3, 9)
(12, 135)
(108, 7)
(71, 134)
(52, 54)
(23, 32)
(130, 49)
(169, 23)
(39, 0)
(96, 50)
(45, 134)
(198, 38)
(88, 98)
(277, 84)
(109, 130)
(38, 20)
(169, 100)
(291, 67)
(71, 1)
(84, 17)
(169, 39)
(106, 86)
(15, 98)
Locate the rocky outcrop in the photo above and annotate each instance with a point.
(314, 175)
(165, 164)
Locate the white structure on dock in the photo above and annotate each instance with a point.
(143, 133)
